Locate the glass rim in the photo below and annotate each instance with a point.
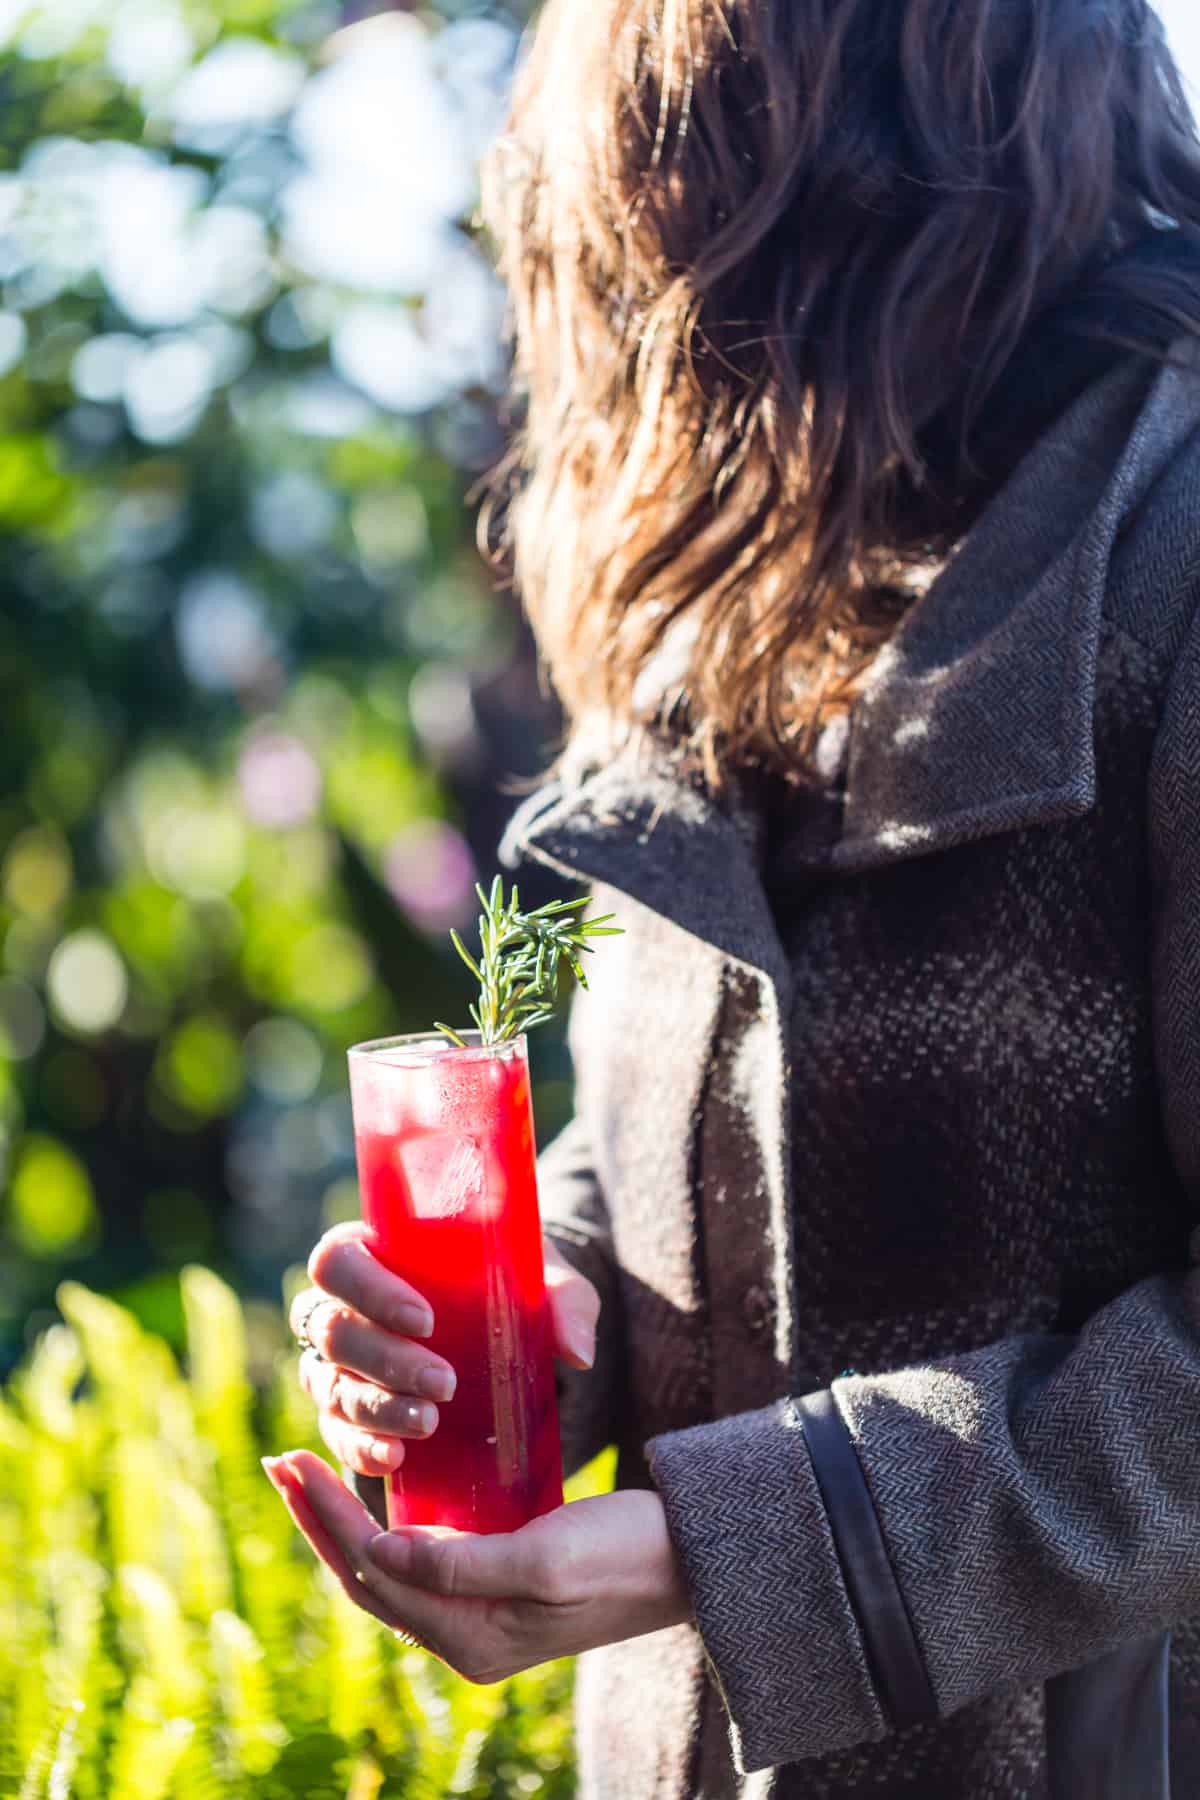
(412, 1040)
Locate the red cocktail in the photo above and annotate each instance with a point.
(446, 1165)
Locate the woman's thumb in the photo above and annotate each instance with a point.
(574, 1308)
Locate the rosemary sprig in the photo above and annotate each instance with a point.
(519, 957)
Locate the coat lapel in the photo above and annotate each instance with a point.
(637, 829)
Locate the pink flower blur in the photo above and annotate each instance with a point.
(430, 871)
(279, 780)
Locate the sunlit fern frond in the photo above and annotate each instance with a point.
(250, 1730)
(164, 1632)
(147, 1747)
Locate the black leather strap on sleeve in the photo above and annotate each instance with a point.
(892, 1651)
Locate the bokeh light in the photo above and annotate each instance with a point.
(241, 82)
(328, 968)
(292, 513)
(284, 1059)
(199, 851)
(37, 872)
(87, 982)
(221, 625)
(443, 712)
(381, 138)
(52, 1206)
(199, 1066)
(279, 778)
(431, 872)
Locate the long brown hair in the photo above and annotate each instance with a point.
(769, 262)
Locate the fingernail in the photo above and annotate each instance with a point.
(391, 1553)
(583, 1343)
(436, 1383)
(421, 1416)
(282, 1478)
(417, 1321)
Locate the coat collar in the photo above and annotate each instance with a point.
(979, 714)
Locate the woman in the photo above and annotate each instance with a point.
(855, 509)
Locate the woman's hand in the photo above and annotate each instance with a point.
(375, 1382)
(589, 1573)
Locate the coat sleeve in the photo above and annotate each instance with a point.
(992, 1519)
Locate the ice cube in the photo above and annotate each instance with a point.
(444, 1173)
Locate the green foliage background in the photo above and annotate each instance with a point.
(260, 699)
(182, 968)
(164, 1632)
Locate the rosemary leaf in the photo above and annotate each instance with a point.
(466, 955)
(520, 955)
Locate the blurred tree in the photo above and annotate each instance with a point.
(259, 696)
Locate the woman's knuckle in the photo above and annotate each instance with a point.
(362, 1403)
(343, 1257)
(330, 1430)
(443, 1570)
(548, 1577)
(550, 1584)
(450, 1569)
(358, 1452)
(396, 1371)
(315, 1378)
(331, 1329)
(394, 1413)
(433, 1565)
(300, 1305)
(322, 1255)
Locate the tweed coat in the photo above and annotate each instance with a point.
(890, 1210)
